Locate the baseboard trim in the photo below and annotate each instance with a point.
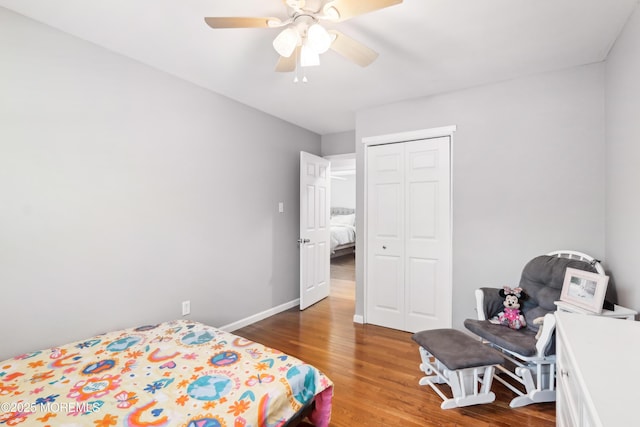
(260, 316)
(358, 319)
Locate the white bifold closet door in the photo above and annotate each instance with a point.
(408, 281)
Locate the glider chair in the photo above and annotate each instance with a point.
(530, 351)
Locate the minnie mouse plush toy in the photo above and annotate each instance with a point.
(511, 316)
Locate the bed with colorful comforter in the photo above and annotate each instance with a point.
(179, 373)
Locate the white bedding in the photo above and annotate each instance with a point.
(342, 234)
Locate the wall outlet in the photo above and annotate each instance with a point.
(186, 307)
(281, 207)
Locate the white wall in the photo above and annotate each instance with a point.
(343, 192)
(528, 173)
(124, 191)
(623, 162)
(338, 143)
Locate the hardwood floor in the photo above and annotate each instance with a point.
(374, 369)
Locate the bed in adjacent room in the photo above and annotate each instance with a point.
(178, 373)
(343, 231)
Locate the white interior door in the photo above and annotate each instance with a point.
(315, 237)
(408, 281)
(385, 245)
(428, 293)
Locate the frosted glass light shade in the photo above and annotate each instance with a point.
(285, 43)
(308, 57)
(318, 39)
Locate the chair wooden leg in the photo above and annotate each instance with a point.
(542, 389)
(464, 383)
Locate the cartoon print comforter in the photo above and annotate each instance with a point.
(179, 373)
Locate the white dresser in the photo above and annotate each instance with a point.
(598, 371)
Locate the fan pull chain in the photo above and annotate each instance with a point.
(295, 79)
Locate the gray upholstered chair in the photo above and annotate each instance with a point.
(533, 357)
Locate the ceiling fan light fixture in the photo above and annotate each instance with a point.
(285, 43)
(318, 39)
(302, 38)
(308, 57)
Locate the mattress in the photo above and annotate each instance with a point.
(179, 373)
(341, 235)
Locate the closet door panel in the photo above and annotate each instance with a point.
(387, 292)
(427, 234)
(421, 285)
(385, 245)
(421, 212)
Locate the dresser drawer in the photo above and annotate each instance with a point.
(568, 394)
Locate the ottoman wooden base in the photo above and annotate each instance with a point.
(454, 358)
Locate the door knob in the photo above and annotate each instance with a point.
(303, 241)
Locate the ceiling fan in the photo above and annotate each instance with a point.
(303, 39)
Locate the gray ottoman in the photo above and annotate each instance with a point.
(452, 357)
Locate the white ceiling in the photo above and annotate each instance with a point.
(426, 47)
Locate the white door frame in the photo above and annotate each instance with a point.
(395, 138)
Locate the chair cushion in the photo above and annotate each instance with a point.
(542, 280)
(521, 341)
(457, 350)
(493, 302)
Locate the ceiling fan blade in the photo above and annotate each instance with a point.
(353, 50)
(239, 22)
(286, 65)
(347, 9)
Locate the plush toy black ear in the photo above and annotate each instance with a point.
(523, 296)
(502, 294)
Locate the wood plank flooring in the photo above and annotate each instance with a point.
(374, 369)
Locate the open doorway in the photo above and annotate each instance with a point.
(343, 225)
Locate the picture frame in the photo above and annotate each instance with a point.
(584, 289)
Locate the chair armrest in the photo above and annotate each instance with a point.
(546, 335)
(488, 303)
